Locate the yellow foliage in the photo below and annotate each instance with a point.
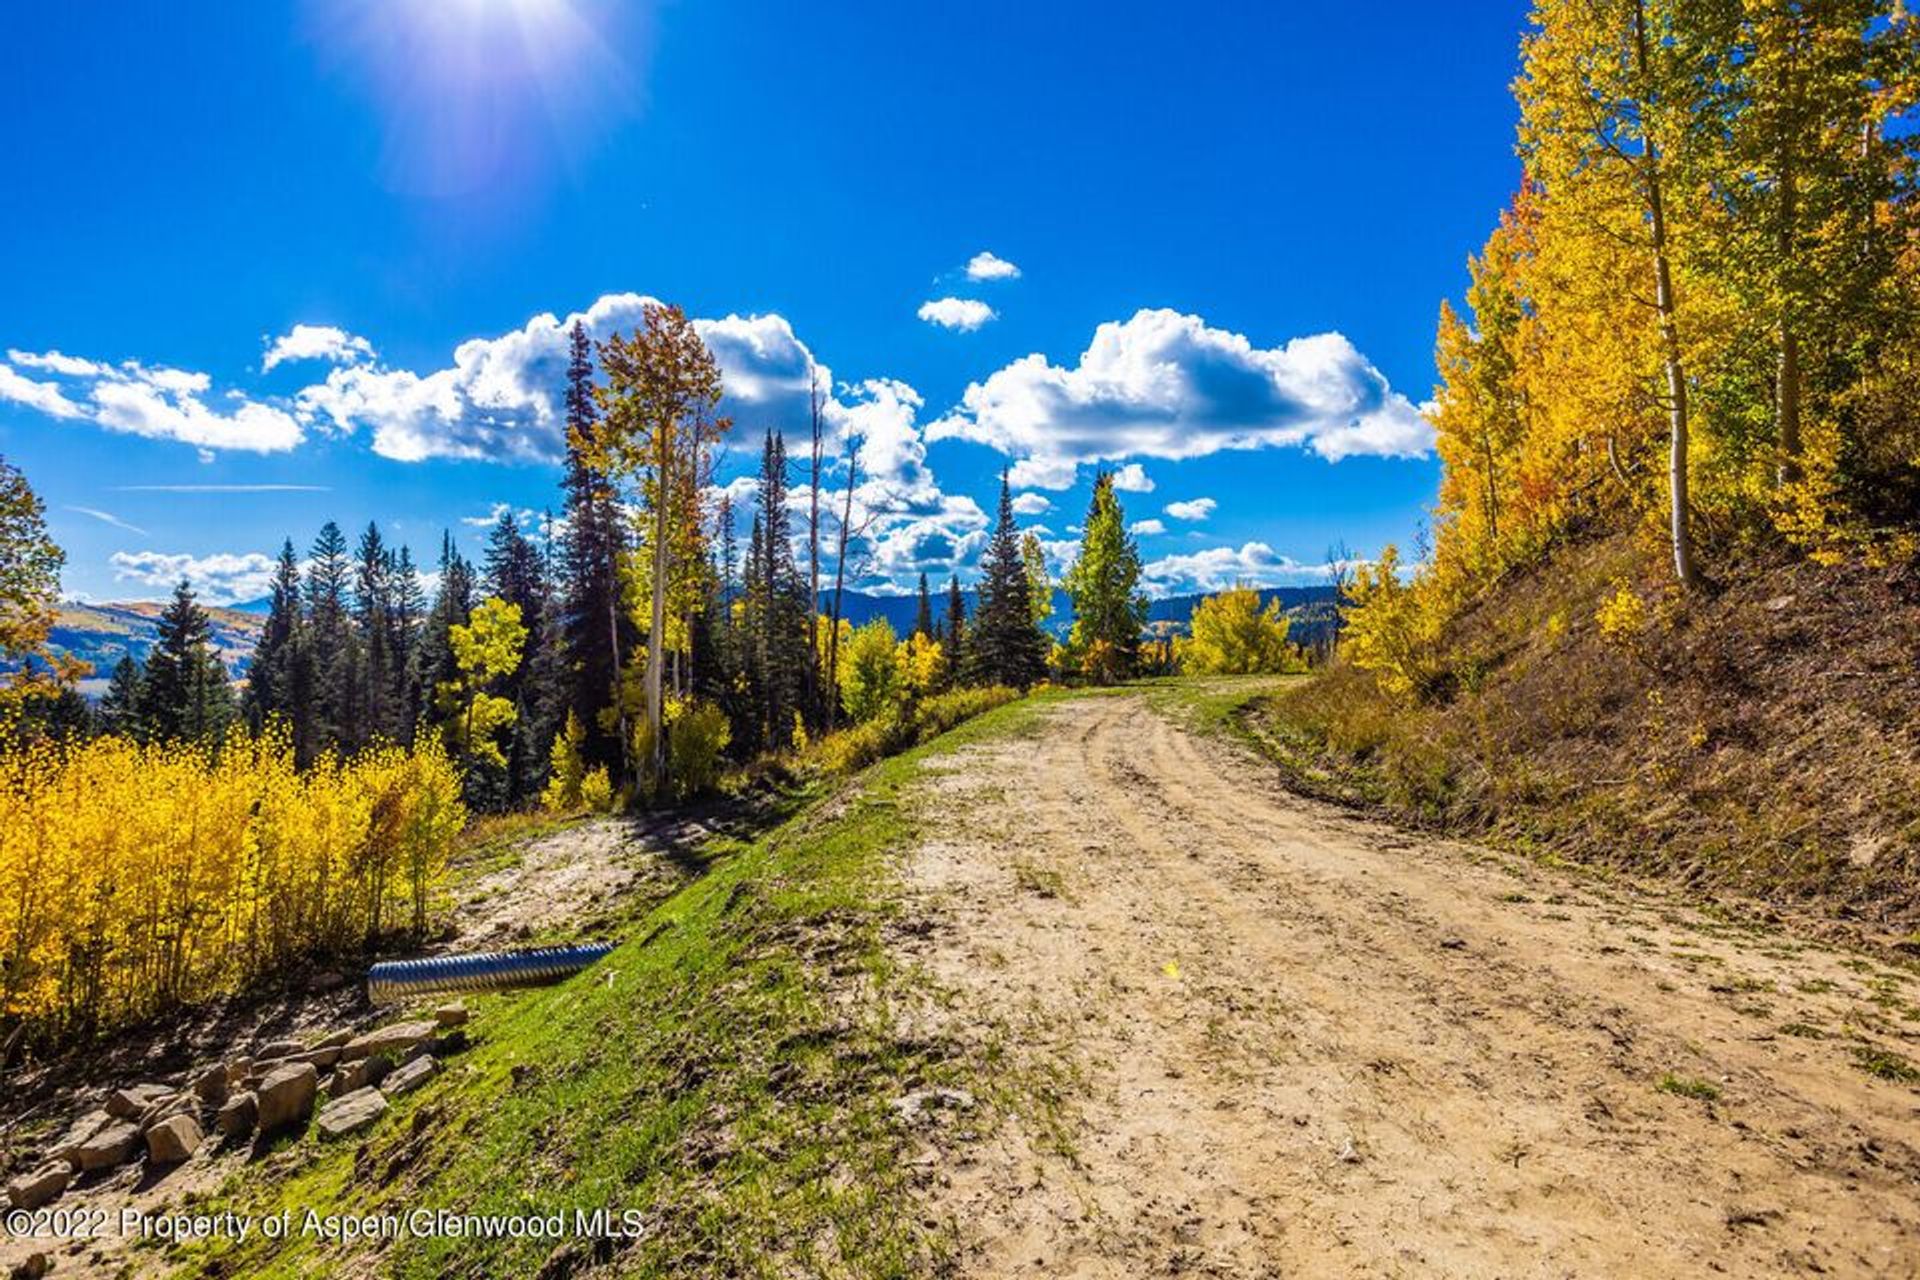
(1623, 615)
(1233, 635)
(567, 768)
(133, 877)
(1388, 632)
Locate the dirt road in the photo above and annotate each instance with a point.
(1298, 1043)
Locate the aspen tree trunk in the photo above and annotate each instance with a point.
(655, 764)
(1669, 331)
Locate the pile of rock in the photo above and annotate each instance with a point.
(272, 1091)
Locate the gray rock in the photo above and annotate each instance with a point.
(110, 1146)
(333, 1040)
(31, 1190)
(135, 1100)
(239, 1069)
(286, 1096)
(66, 1148)
(277, 1049)
(173, 1140)
(451, 1015)
(237, 1115)
(395, 1039)
(180, 1104)
(351, 1113)
(211, 1086)
(407, 1078)
(322, 1058)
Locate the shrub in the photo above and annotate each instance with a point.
(1234, 636)
(568, 768)
(899, 728)
(870, 675)
(138, 877)
(697, 735)
(596, 790)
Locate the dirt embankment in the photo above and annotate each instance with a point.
(1306, 1044)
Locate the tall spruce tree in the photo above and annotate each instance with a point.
(119, 711)
(331, 641)
(1005, 646)
(1108, 610)
(409, 612)
(955, 638)
(597, 630)
(380, 671)
(780, 616)
(273, 684)
(185, 696)
(434, 662)
(514, 574)
(923, 616)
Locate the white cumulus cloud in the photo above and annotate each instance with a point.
(154, 401)
(1133, 478)
(1195, 509)
(316, 342)
(1031, 504)
(1167, 385)
(221, 578)
(1146, 528)
(1218, 568)
(987, 265)
(964, 314)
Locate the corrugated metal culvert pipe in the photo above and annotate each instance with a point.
(481, 971)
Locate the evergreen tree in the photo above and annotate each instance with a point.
(513, 573)
(331, 645)
(434, 663)
(381, 698)
(1108, 610)
(923, 617)
(185, 696)
(781, 616)
(409, 611)
(119, 711)
(955, 639)
(596, 629)
(1005, 647)
(272, 684)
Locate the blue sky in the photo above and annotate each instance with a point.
(1231, 226)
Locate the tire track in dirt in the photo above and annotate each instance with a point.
(1307, 1044)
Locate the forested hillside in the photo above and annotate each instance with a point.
(1671, 611)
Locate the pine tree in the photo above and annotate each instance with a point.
(273, 684)
(409, 611)
(955, 639)
(331, 641)
(1108, 611)
(596, 628)
(780, 616)
(1005, 646)
(185, 696)
(923, 617)
(119, 711)
(513, 573)
(434, 663)
(380, 673)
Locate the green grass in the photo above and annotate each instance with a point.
(728, 1073)
(1885, 1064)
(1688, 1087)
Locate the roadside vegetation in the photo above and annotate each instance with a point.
(731, 1072)
(1668, 615)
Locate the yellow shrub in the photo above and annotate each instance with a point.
(1622, 616)
(137, 877)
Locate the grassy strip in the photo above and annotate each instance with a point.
(728, 1073)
